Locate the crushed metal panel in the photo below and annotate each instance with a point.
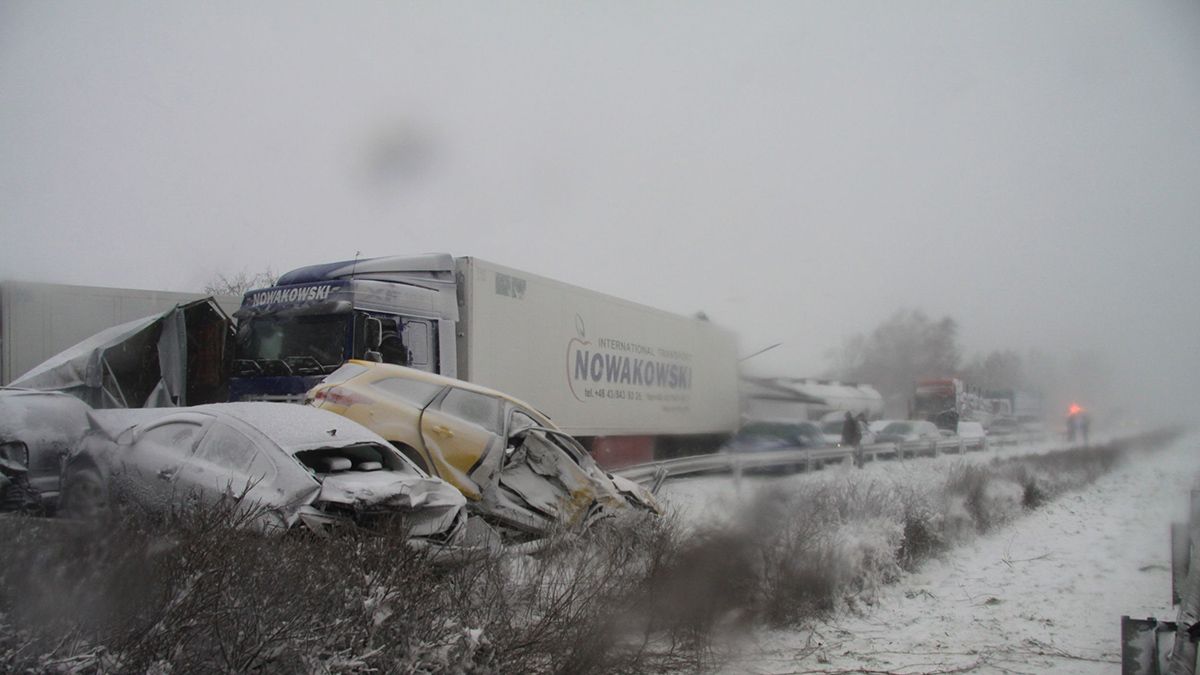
(141, 363)
(432, 504)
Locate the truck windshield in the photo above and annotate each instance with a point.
(303, 345)
(927, 403)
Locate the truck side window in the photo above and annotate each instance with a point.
(392, 350)
(475, 408)
(420, 338)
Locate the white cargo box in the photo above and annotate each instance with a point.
(596, 364)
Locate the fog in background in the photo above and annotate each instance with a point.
(798, 171)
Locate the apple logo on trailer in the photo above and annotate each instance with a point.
(573, 345)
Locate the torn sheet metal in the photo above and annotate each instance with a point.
(431, 504)
(180, 357)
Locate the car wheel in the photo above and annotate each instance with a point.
(84, 494)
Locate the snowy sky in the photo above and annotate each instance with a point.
(798, 170)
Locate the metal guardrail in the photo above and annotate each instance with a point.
(1145, 647)
(798, 459)
(1020, 438)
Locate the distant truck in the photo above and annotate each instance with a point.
(39, 320)
(946, 402)
(1021, 405)
(632, 382)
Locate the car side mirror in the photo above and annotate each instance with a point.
(373, 329)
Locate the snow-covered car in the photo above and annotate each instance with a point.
(909, 431)
(971, 430)
(285, 465)
(1003, 426)
(517, 470)
(765, 435)
(37, 431)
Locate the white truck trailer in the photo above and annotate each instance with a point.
(633, 382)
(40, 320)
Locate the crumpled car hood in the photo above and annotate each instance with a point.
(637, 493)
(433, 504)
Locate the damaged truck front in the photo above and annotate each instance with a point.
(630, 382)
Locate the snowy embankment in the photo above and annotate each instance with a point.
(1042, 591)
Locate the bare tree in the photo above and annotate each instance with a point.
(906, 347)
(1000, 369)
(239, 282)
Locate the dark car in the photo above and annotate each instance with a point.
(762, 436)
(37, 431)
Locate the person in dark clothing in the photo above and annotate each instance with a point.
(850, 431)
(852, 438)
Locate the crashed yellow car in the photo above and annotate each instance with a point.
(518, 471)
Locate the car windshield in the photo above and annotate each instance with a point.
(898, 428)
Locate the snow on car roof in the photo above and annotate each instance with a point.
(291, 426)
(35, 415)
(296, 427)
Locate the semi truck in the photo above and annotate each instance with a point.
(1024, 406)
(947, 401)
(633, 383)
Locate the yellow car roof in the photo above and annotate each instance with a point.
(434, 378)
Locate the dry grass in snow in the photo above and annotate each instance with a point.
(194, 593)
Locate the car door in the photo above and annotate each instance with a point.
(459, 428)
(229, 463)
(147, 469)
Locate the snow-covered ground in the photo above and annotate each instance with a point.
(1042, 594)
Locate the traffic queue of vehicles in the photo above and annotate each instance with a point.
(411, 369)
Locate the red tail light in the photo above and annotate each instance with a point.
(338, 396)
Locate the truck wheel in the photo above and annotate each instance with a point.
(84, 494)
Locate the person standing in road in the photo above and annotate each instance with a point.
(852, 437)
(864, 429)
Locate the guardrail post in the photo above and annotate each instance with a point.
(1180, 547)
(1140, 645)
(1183, 656)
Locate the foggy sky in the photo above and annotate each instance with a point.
(797, 170)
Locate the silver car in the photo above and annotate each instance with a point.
(287, 465)
(37, 431)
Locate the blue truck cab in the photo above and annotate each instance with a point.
(398, 310)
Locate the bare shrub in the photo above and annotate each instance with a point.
(200, 590)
